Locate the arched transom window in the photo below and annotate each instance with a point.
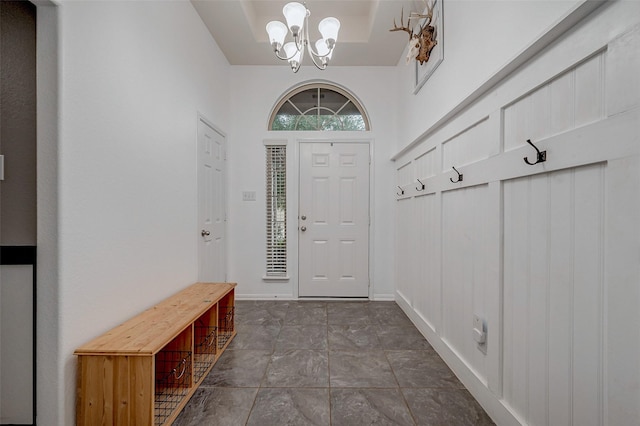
(318, 107)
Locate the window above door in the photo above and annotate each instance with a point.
(319, 107)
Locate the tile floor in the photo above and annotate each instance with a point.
(329, 363)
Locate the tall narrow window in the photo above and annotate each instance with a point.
(276, 210)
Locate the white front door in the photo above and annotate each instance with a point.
(333, 225)
(211, 204)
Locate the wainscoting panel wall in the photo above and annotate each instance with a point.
(544, 255)
(553, 288)
(464, 268)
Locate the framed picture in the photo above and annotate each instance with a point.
(424, 71)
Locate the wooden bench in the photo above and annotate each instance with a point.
(144, 371)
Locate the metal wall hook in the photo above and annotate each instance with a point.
(460, 177)
(401, 191)
(541, 156)
(421, 187)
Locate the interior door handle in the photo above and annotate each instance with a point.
(205, 233)
(303, 228)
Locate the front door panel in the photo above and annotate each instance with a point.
(334, 220)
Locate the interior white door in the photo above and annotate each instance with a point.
(211, 204)
(333, 224)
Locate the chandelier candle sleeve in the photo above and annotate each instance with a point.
(297, 18)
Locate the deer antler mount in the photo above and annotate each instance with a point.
(421, 42)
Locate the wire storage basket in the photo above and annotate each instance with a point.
(226, 325)
(173, 379)
(205, 349)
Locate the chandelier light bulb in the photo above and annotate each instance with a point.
(323, 50)
(292, 52)
(329, 28)
(277, 32)
(294, 13)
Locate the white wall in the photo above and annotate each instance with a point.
(133, 77)
(545, 254)
(255, 90)
(480, 37)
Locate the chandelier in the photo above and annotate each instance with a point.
(297, 16)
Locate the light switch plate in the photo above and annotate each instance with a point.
(479, 330)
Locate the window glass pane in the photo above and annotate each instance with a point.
(288, 108)
(332, 100)
(353, 122)
(305, 100)
(307, 122)
(349, 109)
(284, 122)
(330, 122)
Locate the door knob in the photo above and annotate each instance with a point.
(205, 233)
(303, 228)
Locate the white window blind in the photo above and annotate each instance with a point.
(276, 210)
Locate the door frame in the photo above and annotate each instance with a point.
(205, 120)
(294, 218)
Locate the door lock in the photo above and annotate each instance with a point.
(205, 233)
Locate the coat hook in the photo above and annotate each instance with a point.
(541, 156)
(421, 187)
(459, 176)
(401, 191)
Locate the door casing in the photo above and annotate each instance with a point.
(216, 227)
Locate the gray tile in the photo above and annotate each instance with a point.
(397, 337)
(369, 352)
(353, 337)
(309, 303)
(348, 313)
(255, 337)
(388, 313)
(287, 406)
(306, 313)
(360, 369)
(445, 407)
(217, 406)
(422, 369)
(355, 407)
(302, 337)
(261, 313)
(239, 369)
(298, 368)
(273, 306)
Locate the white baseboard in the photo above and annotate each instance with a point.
(249, 296)
(264, 297)
(384, 297)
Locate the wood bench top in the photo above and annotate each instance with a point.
(150, 331)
